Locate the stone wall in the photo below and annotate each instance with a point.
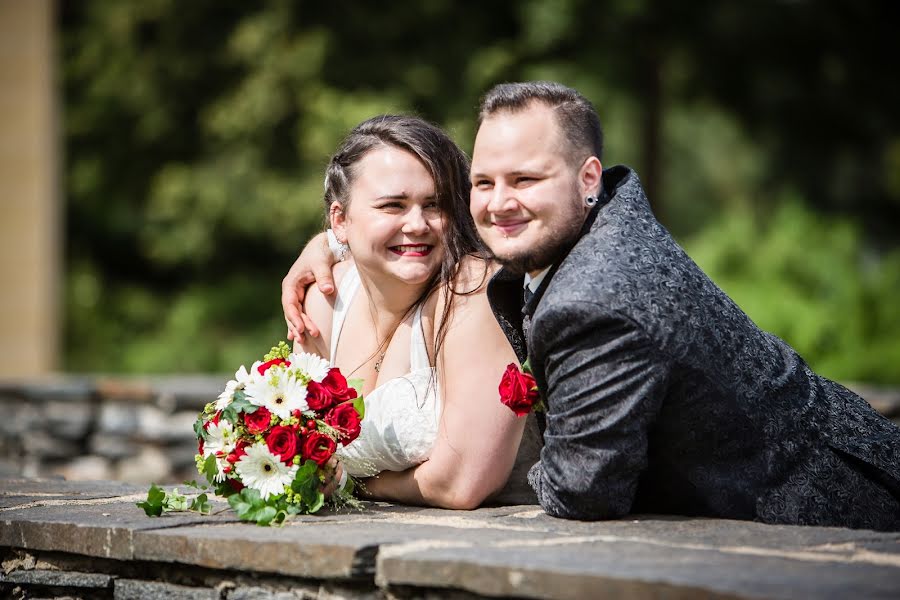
(127, 429)
(136, 430)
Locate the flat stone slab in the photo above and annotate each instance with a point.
(617, 562)
(496, 551)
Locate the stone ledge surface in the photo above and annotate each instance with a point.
(501, 551)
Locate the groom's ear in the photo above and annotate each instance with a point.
(590, 177)
(338, 220)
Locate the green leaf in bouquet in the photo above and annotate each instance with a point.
(238, 405)
(306, 477)
(193, 484)
(356, 384)
(250, 506)
(153, 505)
(306, 484)
(210, 469)
(316, 502)
(241, 403)
(225, 490)
(242, 502)
(199, 430)
(360, 406)
(263, 515)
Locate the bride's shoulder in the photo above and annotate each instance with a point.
(340, 270)
(472, 275)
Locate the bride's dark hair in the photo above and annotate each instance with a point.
(449, 168)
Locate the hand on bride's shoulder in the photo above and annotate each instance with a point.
(320, 309)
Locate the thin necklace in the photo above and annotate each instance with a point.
(382, 345)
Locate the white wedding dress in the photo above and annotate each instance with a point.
(401, 420)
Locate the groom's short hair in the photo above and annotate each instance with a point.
(575, 115)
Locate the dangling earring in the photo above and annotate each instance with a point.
(590, 201)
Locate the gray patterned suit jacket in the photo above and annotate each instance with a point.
(663, 396)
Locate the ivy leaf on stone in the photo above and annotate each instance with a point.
(153, 505)
(201, 504)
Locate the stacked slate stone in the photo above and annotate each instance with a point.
(132, 430)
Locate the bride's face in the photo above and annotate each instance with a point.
(392, 222)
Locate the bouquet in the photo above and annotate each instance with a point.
(266, 443)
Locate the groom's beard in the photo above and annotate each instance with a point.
(547, 252)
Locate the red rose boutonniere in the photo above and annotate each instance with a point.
(519, 391)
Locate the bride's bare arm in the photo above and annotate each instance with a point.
(478, 437)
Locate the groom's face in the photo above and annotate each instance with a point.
(526, 196)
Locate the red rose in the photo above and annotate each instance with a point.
(318, 447)
(200, 447)
(282, 441)
(318, 397)
(258, 421)
(271, 363)
(237, 453)
(235, 484)
(345, 419)
(518, 390)
(336, 384)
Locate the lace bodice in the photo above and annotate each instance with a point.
(401, 420)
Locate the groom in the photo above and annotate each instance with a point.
(661, 395)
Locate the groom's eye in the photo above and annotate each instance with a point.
(482, 184)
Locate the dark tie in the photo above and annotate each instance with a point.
(526, 314)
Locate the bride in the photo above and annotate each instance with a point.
(412, 320)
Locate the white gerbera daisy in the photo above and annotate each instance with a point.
(220, 438)
(221, 463)
(312, 365)
(241, 377)
(279, 393)
(261, 470)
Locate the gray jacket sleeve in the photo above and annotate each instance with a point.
(604, 386)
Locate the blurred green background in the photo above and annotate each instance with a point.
(196, 133)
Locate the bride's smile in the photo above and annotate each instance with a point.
(392, 221)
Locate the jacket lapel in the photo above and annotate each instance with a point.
(505, 296)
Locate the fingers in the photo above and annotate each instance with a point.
(324, 279)
(308, 326)
(294, 320)
(333, 476)
(293, 291)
